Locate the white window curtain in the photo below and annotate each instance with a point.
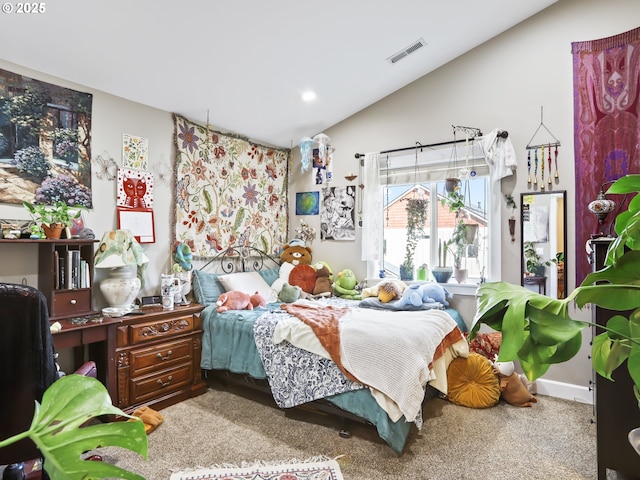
(372, 213)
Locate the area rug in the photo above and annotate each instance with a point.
(317, 468)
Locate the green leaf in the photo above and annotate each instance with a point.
(600, 351)
(611, 297)
(624, 271)
(633, 365)
(567, 350)
(549, 329)
(58, 431)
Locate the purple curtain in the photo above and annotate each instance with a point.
(606, 78)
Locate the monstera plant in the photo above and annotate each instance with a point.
(60, 432)
(538, 331)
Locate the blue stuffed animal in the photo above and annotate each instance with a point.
(419, 293)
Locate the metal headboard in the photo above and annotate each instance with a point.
(240, 259)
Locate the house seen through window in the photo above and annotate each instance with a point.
(439, 243)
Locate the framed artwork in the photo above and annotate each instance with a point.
(139, 222)
(135, 152)
(337, 220)
(307, 203)
(45, 142)
(135, 189)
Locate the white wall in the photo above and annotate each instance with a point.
(500, 84)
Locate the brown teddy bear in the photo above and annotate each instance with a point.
(296, 253)
(323, 286)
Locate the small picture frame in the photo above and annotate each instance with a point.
(139, 222)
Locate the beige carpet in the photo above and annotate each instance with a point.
(553, 440)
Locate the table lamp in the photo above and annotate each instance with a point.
(119, 251)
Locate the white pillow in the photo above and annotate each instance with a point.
(283, 276)
(250, 283)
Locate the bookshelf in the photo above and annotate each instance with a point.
(65, 275)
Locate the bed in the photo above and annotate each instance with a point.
(275, 348)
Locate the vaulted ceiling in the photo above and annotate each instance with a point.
(244, 64)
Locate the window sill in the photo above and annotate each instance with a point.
(462, 289)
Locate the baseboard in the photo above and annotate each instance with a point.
(565, 391)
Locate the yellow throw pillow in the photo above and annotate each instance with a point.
(472, 382)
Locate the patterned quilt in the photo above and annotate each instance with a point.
(296, 376)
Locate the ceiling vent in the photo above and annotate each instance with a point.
(396, 57)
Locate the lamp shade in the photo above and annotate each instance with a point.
(119, 251)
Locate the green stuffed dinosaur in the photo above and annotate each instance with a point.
(345, 285)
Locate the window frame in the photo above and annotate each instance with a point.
(494, 221)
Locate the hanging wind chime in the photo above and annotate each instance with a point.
(542, 159)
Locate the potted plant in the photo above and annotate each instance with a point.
(442, 273)
(457, 246)
(538, 331)
(534, 265)
(58, 430)
(53, 218)
(416, 219)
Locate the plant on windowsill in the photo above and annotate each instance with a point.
(53, 218)
(442, 273)
(58, 429)
(417, 210)
(538, 331)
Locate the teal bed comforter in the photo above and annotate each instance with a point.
(228, 343)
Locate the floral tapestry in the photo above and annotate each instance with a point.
(606, 81)
(229, 192)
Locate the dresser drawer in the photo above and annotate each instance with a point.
(145, 388)
(70, 302)
(149, 331)
(160, 356)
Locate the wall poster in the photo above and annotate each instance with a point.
(337, 217)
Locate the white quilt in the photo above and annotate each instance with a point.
(390, 352)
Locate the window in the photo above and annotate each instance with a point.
(422, 174)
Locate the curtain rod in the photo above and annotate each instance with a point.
(501, 134)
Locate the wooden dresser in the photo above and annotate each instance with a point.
(617, 411)
(157, 357)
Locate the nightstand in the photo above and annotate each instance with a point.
(157, 358)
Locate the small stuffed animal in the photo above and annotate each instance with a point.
(234, 300)
(345, 285)
(418, 294)
(322, 287)
(388, 291)
(397, 285)
(513, 390)
(289, 293)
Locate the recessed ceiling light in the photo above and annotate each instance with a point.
(308, 96)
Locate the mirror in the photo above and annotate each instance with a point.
(543, 225)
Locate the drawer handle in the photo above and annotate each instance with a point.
(73, 301)
(167, 383)
(165, 327)
(165, 357)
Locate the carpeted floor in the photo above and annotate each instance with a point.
(554, 439)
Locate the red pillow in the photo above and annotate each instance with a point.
(486, 344)
(303, 276)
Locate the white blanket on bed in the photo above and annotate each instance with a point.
(391, 352)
